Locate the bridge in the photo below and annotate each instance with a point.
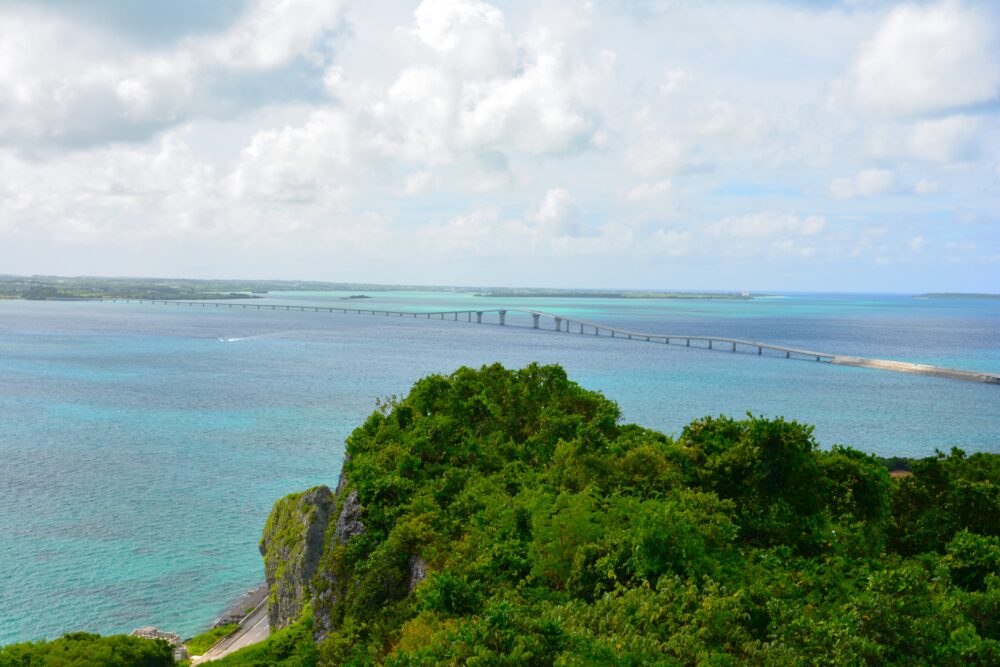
(561, 323)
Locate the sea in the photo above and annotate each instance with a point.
(142, 446)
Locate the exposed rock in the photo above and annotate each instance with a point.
(328, 586)
(418, 572)
(292, 546)
(342, 482)
(349, 522)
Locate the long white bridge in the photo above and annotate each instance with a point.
(562, 323)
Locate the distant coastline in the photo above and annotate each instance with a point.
(609, 294)
(960, 295)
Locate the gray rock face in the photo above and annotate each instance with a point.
(292, 546)
(418, 572)
(328, 586)
(349, 522)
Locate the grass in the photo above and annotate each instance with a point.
(198, 644)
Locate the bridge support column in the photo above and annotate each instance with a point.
(688, 343)
(558, 323)
(734, 347)
(469, 315)
(534, 320)
(788, 355)
(456, 317)
(503, 317)
(760, 350)
(710, 343)
(581, 328)
(479, 317)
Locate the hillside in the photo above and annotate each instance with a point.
(507, 517)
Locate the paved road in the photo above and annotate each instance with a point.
(254, 629)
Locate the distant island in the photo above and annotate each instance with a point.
(609, 294)
(960, 295)
(75, 288)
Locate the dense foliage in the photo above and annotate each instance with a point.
(81, 649)
(554, 534)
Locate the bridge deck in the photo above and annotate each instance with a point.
(598, 329)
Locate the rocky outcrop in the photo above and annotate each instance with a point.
(417, 572)
(328, 586)
(349, 521)
(292, 546)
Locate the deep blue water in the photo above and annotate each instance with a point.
(139, 455)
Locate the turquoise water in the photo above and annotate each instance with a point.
(139, 455)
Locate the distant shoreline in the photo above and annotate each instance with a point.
(584, 294)
(960, 295)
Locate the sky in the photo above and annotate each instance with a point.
(657, 144)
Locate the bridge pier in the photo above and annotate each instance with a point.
(710, 343)
(503, 317)
(456, 317)
(734, 347)
(534, 320)
(687, 343)
(479, 317)
(760, 350)
(558, 323)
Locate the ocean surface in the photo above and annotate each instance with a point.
(140, 452)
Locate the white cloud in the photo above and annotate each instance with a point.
(648, 191)
(297, 164)
(949, 139)
(64, 83)
(418, 182)
(917, 243)
(557, 215)
(767, 225)
(866, 183)
(468, 128)
(928, 58)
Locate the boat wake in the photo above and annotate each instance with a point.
(279, 334)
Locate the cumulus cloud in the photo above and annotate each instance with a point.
(64, 83)
(866, 183)
(949, 139)
(929, 58)
(471, 128)
(767, 225)
(648, 191)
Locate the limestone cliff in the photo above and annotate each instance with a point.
(292, 546)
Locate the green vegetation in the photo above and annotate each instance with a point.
(556, 535)
(198, 644)
(41, 288)
(290, 647)
(86, 650)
